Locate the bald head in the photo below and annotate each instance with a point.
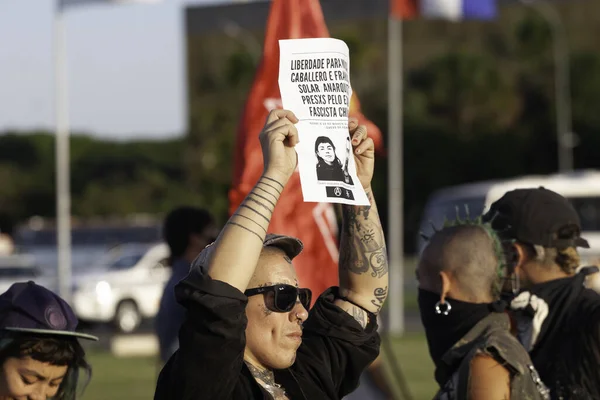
(467, 254)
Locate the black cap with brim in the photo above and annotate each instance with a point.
(537, 216)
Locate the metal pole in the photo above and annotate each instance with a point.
(562, 83)
(395, 178)
(63, 191)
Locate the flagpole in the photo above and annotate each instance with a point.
(62, 153)
(395, 178)
(562, 87)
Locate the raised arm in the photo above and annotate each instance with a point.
(215, 317)
(363, 265)
(240, 242)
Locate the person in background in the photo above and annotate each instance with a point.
(187, 230)
(555, 317)
(40, 355)
(468, 333)
(248, 332)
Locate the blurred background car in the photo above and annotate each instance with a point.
(124, 287)
(22, 267)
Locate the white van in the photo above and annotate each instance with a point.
(582, 188)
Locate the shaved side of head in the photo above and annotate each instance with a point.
(468, 254)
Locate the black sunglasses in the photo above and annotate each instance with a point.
(284, 296)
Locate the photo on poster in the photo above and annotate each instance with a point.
(331, 164)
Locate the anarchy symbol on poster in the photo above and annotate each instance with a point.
(314, 81)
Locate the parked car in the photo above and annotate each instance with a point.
(124, 287)
(22, 268)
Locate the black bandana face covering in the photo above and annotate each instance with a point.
(443, 331)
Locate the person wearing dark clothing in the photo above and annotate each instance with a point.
(329, 166)
(468, 334)
(555, 317)
(187, 230)
(248, 332)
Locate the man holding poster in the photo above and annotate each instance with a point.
(250, 332)
(314, 81)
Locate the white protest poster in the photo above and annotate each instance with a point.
(314, 81)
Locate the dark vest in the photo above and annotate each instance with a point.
(491, 336)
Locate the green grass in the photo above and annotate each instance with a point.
(412, 357)
(134, 378)
(121, 378)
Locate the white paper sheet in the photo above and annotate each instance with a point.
(314, 81)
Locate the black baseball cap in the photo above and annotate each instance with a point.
(291, 246)
(537, 216)
(30, 308)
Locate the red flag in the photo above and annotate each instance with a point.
(313, 223)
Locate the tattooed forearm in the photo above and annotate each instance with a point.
(246, 229)
(261, 203)
(274, 181)
(236, 251)
(268, 185)
(379, 295)
(265, 199)
(254, 214)
(251, 220)
(363, 245)
(266, 192)
(363, 264)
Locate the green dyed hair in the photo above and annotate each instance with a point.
(497, 242)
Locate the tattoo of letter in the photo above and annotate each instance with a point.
(380, 294)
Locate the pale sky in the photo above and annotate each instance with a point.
(125, 66)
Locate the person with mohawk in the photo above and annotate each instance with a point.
(468, 333)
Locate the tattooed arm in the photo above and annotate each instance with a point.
(240, 242)
(363, 265)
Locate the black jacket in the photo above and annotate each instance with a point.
(209, 364)
(335, 172)
(559, 321)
